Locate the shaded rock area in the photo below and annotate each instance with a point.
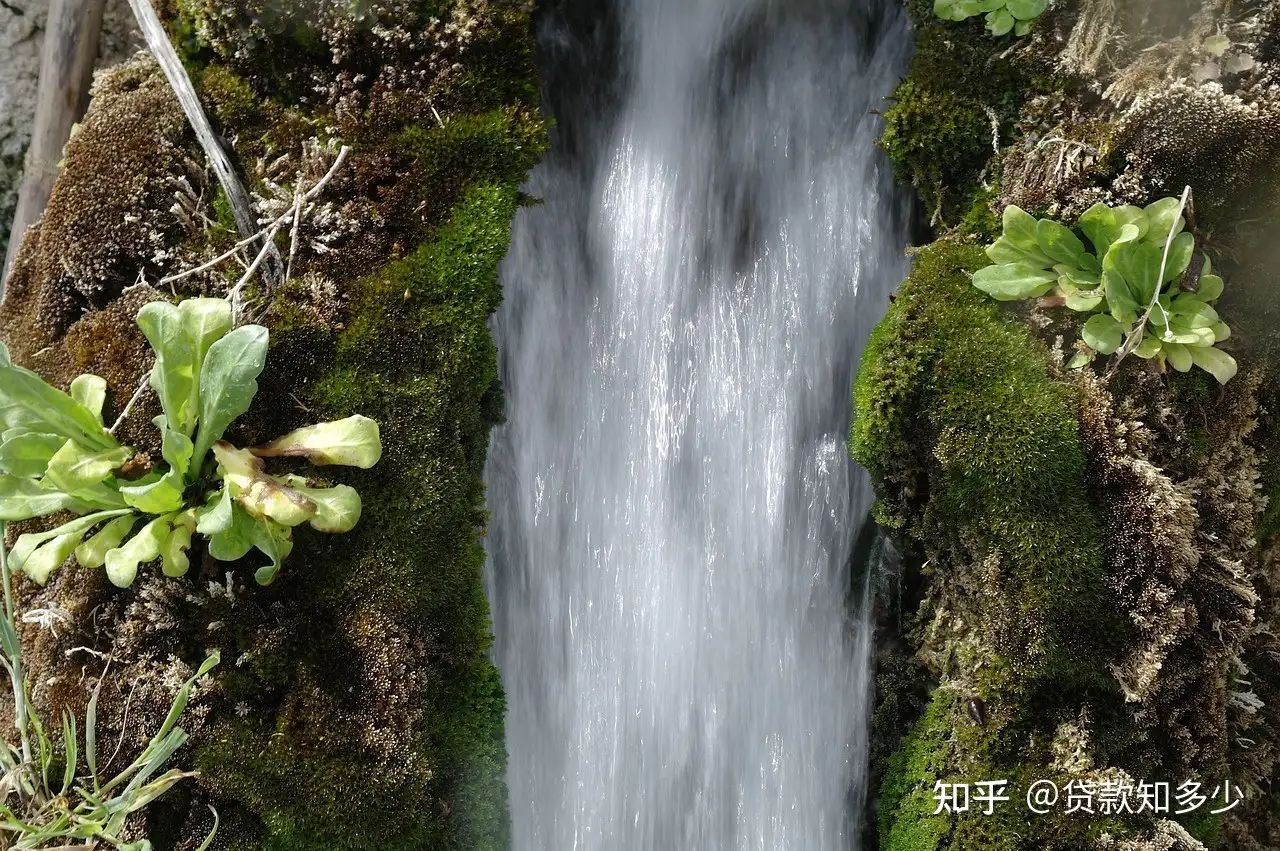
(355, 707)
(21, 37)
(1089, 570)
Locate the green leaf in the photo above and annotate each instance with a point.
(1190, 312)
(70, 738)
(1059, 242)
(1149, 347)
(1078, 278)
(93, 552)
(181, 336)
(74, 467)
(215, 515)
(160, 497)
(1210, 288)
(27, 544)
(1080, 360)
(1216, 45)
(1004, 251)
(174, 552)
(1139, 263)
(173, 376)
(351, 442)
(1020, 229)
(27, 453)
(1100, 225)
(1186, 336)
(228, 382)
(944, 9)
(337, 508)
(176, 447)
(208, 840)
(90, 391)
(1021, 28)
(1220, 332)
(1013, 281)
(1216, 362)
(1084, 302)
(1136, 216)
(275, 542)
(27, 400)
(1103, 334)
(23, 499)
(1180, 251)
(122, 562)
(1123, 306)
(1000, 22)
(49, 556)
(1027, 10)
(234, 541)
(1177, 355)
(1163, 216)
(1081, 295)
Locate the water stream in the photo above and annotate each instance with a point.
(673, 508)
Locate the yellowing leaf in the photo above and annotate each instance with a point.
(351, 442)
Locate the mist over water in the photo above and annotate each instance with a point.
(673, 508)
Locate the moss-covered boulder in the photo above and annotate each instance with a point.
(356, 707)
(1089, 555)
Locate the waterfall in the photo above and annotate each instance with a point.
(673, 507)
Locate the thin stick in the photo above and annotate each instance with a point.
(1135, 336)
(293, 237)
(214, 262)
(67, 56)
(234, 295)
(278, 223)
(137, 394)
(237, 197)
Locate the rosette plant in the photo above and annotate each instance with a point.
(1001, 15)
(1139, 286)
(56, 454)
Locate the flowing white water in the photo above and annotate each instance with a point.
(673, 506)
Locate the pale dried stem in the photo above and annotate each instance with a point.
(158, 43)
(133, 400)
(1135, 336)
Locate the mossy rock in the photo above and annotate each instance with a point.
(356, 707)
(974, 441)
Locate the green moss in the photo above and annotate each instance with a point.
(936, 140)
(906, 805)
(938, 130)
(1204, 825)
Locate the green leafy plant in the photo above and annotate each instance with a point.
(56, 454)
(46, 801)
(1145, 286)
(1003, 16)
